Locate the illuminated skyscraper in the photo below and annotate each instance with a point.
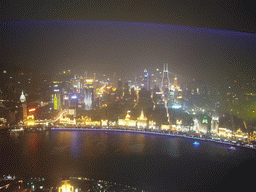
(166, 84)
(175, 84)
(176, 91)
(157, 96)
(146, 80)
(88, 98)
(165, 79)
(55, 102)
(89, 94)
(57, 94)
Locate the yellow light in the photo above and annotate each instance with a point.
(132, 123)
(127, 117)
(142, 117)
(104, 122)
(30, 117)
(165, 127)
(30, 120)
(66, 187)
(179, 122)
(89, 81)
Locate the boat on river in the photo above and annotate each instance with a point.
(232, 148)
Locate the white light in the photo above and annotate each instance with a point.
(176, 106)
(65, 97)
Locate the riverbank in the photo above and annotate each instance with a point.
(154, 133)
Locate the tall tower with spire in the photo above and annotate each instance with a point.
(24, 107)
(166, 84)
(165, 79)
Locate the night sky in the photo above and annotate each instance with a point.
(198, 39)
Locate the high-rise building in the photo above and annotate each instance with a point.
(215, 123)
(57, 94)
(119, 88)
(166, 84)
(133, 95)
(126, 90)
(108, 82)
(146, 80)
(165, 79)
(176, 92)
(88, 98)
(145, 100)
(89, 94)
(157, 96)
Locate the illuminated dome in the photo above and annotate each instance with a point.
(22, 97)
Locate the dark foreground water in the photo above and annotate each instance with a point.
(154, 163)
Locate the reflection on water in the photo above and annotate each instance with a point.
(131, 148)
(154, 162)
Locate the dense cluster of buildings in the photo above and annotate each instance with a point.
(156, 100)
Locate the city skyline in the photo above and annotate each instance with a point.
(107, 47)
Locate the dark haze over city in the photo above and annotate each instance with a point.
(198, 39)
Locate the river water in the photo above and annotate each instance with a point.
(150, 162)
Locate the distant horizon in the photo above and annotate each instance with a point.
(127, 47)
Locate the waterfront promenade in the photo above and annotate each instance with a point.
(182, 135)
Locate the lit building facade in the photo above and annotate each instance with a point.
(89, 94)
(214, 124)
(127, 122)
(30, 120)
(142, 121)
(57, 94)
(165, 79)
